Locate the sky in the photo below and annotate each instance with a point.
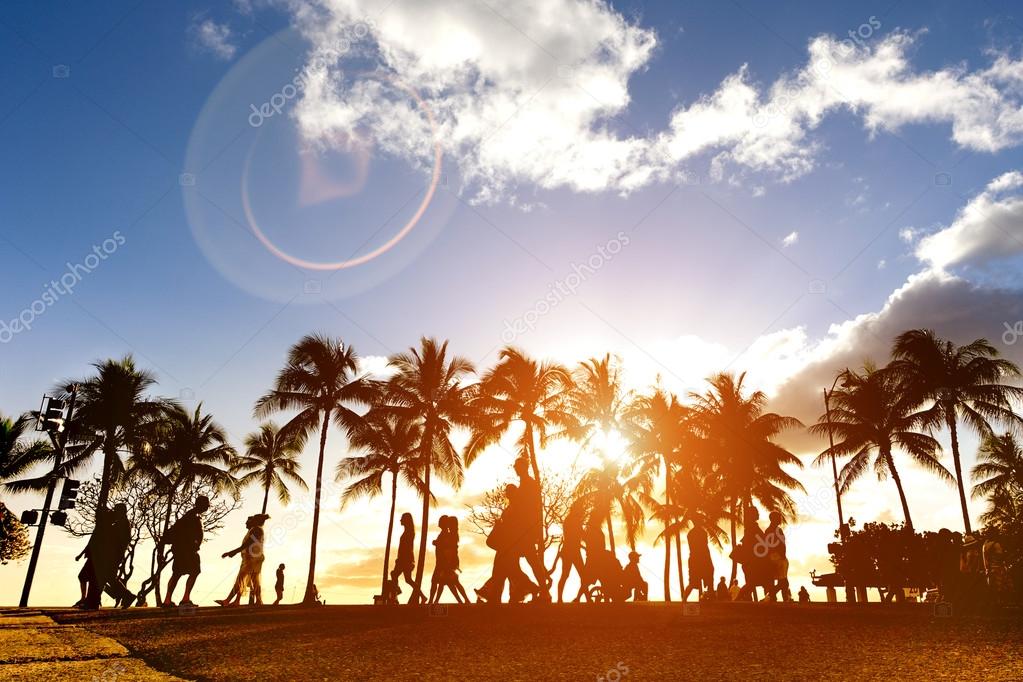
(695, 187)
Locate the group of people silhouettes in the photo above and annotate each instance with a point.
(516, 536)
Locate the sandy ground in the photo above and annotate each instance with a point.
(581, 641)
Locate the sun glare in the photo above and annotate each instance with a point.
(610, 444)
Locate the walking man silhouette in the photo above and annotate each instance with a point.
(185, 537)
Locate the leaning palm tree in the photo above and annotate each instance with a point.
(656, 429)
(271, 460)
(962, 383)
(873, 414)
(735, 446)
(111, 412)
(999, 466)
(320, 379)
(391, 446)
(18, 454)
(429, 390)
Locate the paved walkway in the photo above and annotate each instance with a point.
(34, 647)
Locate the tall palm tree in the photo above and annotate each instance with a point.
(871, 412)
(964, 382)
(598, 402)
(522, 390)
(735, 445)
(657, 427)
(999, 466)
(391, 446)
(17, 453)
(111, 412)
(606, 488)
(428, 391)
(320, 379)
(271, 460)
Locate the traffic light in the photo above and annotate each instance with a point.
(58, 518)
(30, 517)
(53, 416)
(68, 495)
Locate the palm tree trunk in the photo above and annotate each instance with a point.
(667, 537)
(427, 456)
(951, 421)
(310, 591)
(898, 484)
(109, 452)
(390, 531)
(610, 532)
(266, 496)
(735, 565)
(678, 557)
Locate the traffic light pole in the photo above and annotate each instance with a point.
(59, 441)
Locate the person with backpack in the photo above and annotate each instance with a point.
(184, 538)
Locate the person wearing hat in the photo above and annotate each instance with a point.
(184, 538)
(251, 568)
(633, 581)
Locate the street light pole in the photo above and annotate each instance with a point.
(59, 441)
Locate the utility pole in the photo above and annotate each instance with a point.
(59, 439)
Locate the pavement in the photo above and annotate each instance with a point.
(35, 647)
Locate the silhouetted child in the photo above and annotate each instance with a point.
(279, 585)
(804, 595)
(405, 562)
(635, 586)
(734, 590)
(445, 571)
(721, 591)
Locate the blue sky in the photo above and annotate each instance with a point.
(133, 118)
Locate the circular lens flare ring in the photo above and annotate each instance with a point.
(380, 250)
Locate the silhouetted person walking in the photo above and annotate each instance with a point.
(105, 551)
(571, 552)
(701, 566)
(531, 510)
(249, 573)
(185, 537)
(279, 585)
(445, 571)
(777, 563)
(510, 539)
(405, 562)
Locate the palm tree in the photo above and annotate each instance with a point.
(111, 412)
(271, 459)
(391, 447)
(964, 382)
(597, 402)
(657, 427)
(520, 389)
(872, 412)
(999, 467)
(603, 490)
(179, 451)
(319, 380)
(16, 455)
(735, 446)
(428, 391)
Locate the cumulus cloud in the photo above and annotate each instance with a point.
(532, 94)
(216, 39)
(990, 226)
(790, 239)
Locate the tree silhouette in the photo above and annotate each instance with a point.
(17, 455)
(427, 390)
(392, 449)
(871, 412)
(271, 460)
(963, 383)
(320, 380)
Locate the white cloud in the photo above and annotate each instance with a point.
(908, 234)
(209, 36)
(375, 366)
(533, 94)
(882, 264)
(790, 239)
(990, 226)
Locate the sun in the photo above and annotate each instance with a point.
(610, 444)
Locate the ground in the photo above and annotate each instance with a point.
(612, 643)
